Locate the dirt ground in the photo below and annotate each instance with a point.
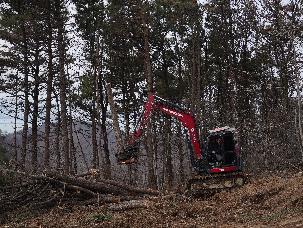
(275, 200)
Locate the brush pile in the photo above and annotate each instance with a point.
(33, 193)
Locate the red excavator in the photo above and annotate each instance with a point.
(216, 159)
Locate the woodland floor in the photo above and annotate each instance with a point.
(274, 200)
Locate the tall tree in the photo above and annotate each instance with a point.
(25, 53)
(15, 21)
(60, 23)
(93, 14)
(49, 87)
(152, 181)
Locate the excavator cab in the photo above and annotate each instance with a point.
(221, 152)
(222, 165)
(222, 148)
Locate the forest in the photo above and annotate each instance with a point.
(234, 63)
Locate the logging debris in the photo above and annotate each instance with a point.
(268, 200)
(21, 191)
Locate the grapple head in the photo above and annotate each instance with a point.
(129, 155)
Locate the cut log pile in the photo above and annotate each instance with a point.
(49, 189)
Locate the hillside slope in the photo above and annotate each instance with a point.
(273, 200)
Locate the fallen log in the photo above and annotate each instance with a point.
(107, 199)
(49, 203)
(80, 189)
(130, 189)
(104, 186)
(128, 205)
(88, 186)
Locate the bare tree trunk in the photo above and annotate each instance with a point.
(114, 113)
(26, 97)
(133, 170)
(57, 148)
(299, 109)
(81, 148)
(94, 137)
(102, 105)
(126, 101)
(196, 66)
(72, 154)
(180, 140)
(35, 111)
(147, 61)
(152, 180)
(169, 176)
(98, 83)
(156, 155)
(49, 89)
(126, 120)
(62, 79)
(107, 162)
(74, 164)
(94, 111)
(151, 175)
(15, 122)
(180, 153)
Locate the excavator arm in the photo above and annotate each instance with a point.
(153, 104)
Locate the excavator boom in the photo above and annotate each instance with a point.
(155, 103)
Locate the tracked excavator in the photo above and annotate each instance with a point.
(216, 159)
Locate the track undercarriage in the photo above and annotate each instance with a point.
(213, 183)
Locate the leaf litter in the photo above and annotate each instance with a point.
(271, 200)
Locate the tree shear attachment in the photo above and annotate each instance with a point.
(129, 155)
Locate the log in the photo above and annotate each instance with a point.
(49, 203)
(128, 205)
(90, 187)
(44, 191)
(80, 189)
(103, 186)
(131, 189)
(108, 199)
